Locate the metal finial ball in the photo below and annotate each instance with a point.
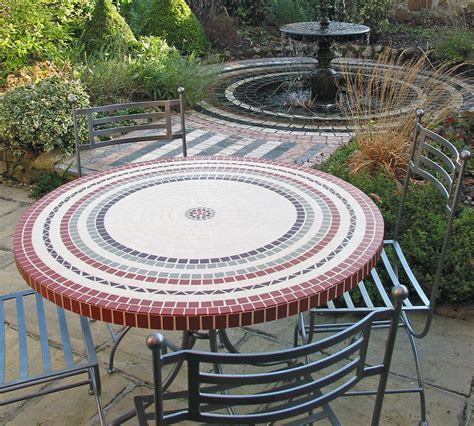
(420, 113)
(465, 155)
(400, 292)
(180, 90)
(72, 99)
(155, 340)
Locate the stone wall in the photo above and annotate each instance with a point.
(27, 167)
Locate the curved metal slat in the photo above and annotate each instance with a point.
(424, 133)
(406, 267)
(67, 348)
(129, 129)
(43, 330)
(22, 342)
(441, 188)
(445, 177)
(281, 375)
(130, 105)
(380, 287)
(365, 295)
(441, 156)
(300, 351)
(127, 117)
(290, 393)
(393, 275)
(287, 412)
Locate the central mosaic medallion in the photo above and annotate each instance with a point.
(200, 213)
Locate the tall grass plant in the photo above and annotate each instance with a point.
(377, 108)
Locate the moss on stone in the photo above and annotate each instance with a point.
(106, 30)
(174, 21)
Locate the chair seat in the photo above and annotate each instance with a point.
(36, 366)
(373, 293)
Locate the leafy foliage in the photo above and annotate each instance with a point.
(106, 30)
(32, 30)
(373, 13)
(280, 12)
(423, 227)
(38, 116)
(46, 182)
(154, 71)
(455, 45)
(174, 21)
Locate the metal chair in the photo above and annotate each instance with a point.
(437, 160)
(49, 373)
(139, 122)
(263, 392)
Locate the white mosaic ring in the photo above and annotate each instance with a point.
(198, 243)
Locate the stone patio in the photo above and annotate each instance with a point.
(445, 352)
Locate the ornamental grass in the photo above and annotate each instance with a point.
(381, 101)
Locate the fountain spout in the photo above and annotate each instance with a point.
(324, 14)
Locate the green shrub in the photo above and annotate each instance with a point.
(106, 30)
(46, 182)
(280, 12)
(174, 21)
(373, 13)
(455, 45)
(423, 228)
(32, 30)
(154, 71)
(38, 117)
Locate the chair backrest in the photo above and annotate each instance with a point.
(127, 123)
(265, 392)
(437, 160)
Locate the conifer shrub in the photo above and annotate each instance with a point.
(107, 30)
(174, 21)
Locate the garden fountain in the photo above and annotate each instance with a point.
(304, 94)
(323, 78)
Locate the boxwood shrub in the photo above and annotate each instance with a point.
(423, 227)
(174, 21)
(38, 117)
(107, 29)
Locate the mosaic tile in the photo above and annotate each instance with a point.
(201, 233)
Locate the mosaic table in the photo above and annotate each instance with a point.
(198, 243)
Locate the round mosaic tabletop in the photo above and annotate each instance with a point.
(198, 243)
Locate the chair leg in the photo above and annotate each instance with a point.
(117, 341)
(419, 373)
(95, 388)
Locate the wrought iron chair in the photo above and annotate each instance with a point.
(141, 121)
(263, 392)
(437, 160)
(50, 371)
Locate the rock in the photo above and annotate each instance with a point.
(378, 48)
(19, 172)
(47, 160)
